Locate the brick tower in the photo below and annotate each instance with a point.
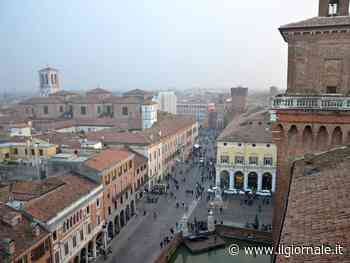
(314, 113)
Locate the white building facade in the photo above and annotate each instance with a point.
(49, 81)
(149, 114)
(167, 101)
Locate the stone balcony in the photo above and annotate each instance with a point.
(327, 102)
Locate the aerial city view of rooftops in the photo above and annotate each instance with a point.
(175, 131)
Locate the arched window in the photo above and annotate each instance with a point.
(239, 180)
(225, 179)
(252, 181)
(266, 181)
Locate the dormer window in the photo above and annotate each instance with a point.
(333, 7)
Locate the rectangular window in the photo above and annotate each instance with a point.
(66, 248)
(99, 109)
(33, 152)
(98, 220)
(54, 235)
(130, 164)
(83, 110)
(98, 203)
(253, 160)
(88, 210)
(61, 108)
(268, 161)
(331, 90)
(225, 159)
(46, 109)
(239, 160)
(89, 228)
(125, 110)
(41, 152)
(81, 234)
(74, 241)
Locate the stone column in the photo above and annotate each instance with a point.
(105, 239)
(273, 189)
(94, 248)
(231, 182)
(245, 181)
(259, 181)
(217, 177)
(87, 254)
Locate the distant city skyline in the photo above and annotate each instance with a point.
(122, 45)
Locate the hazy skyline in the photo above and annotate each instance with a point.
(147, 44)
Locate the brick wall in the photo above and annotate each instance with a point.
(298, 133)
(317, 61)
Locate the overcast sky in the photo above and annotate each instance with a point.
(125, 44)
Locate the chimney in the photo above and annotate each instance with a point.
(35, 229)
(12, 218)
(9, 246)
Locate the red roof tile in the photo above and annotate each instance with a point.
(21, 233)
(107, 158)
(49, 205)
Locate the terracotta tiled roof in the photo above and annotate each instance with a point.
(115, 136)
(139, 160)
(171, 125)
(72, 141)
(28, 190)
(124, 100)
(318, 207)
(4, 193)
(98, 91)
(319, 22)
(43, 100)
(86, 100)
(64, 93)
(137, 92)
(107, 158)
(164, 128)
(253, 128)
(21, 233)
(49, 205)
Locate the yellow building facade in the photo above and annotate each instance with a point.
(246, 156)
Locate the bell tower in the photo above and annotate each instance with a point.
(314, 113)
(49, 81)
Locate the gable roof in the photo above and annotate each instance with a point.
(98, 91)
(21, 233)
(72, 188)
(107, 159)
(318, 209)
(255, 128)
(317, 22)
